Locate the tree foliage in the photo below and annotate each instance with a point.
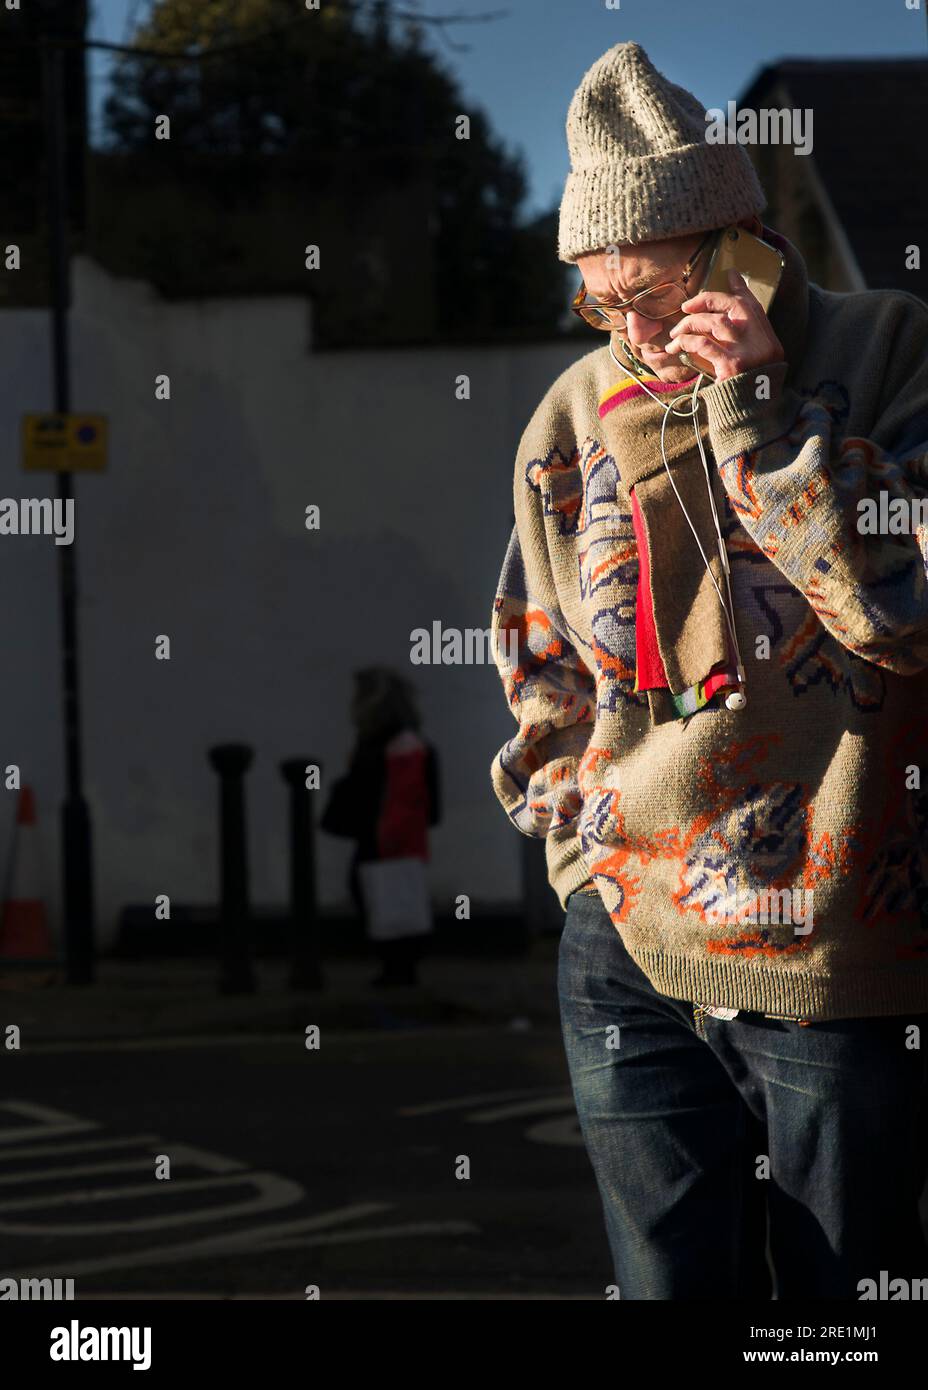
(345, 92)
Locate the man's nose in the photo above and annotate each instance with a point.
(642, 329)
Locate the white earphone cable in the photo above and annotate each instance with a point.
(727, 608)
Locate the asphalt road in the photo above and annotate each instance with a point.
(340, 1167)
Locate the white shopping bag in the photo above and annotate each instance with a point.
(396, 898)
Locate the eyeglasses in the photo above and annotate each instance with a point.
(656, 302)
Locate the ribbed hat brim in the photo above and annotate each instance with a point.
(650, 197)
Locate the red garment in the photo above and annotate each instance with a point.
(649, 667)
(402, 825)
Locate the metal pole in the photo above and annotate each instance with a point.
(305, 952)
(231, 761)
(76, 829)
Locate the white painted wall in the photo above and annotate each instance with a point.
(197, 531)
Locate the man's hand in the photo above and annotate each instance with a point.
(730, 331)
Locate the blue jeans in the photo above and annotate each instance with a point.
(714, 1142)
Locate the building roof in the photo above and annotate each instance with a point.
(870, 116)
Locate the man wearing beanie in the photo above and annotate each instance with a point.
(721, 693)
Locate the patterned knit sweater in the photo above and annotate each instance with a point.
(821, 783)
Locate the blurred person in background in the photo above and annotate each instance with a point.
(386, 802)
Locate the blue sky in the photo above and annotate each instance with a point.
(523, 67)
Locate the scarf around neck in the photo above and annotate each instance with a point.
(684, 653)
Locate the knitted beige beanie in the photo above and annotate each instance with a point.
(641, 169)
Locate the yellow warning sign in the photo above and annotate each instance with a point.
(64, 443)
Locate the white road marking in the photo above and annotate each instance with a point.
(210, 1247)
(85, 1146)
(538, 1100)
(274, 1192)
(200, 1041)
(410, 1228)
(463, 1102)
(48, 1122)
(81, 1170)
(557, 1103)
(565, 1132)
(178, 1153)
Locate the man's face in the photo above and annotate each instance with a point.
(615, 276)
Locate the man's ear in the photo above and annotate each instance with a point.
(752, 224)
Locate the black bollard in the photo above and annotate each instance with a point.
(305, 952)
(231, 761)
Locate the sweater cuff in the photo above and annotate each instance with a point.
(740, 421)
(567, 867)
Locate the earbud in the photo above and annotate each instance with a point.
(736, 700)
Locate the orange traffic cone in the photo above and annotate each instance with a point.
(24, 931)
